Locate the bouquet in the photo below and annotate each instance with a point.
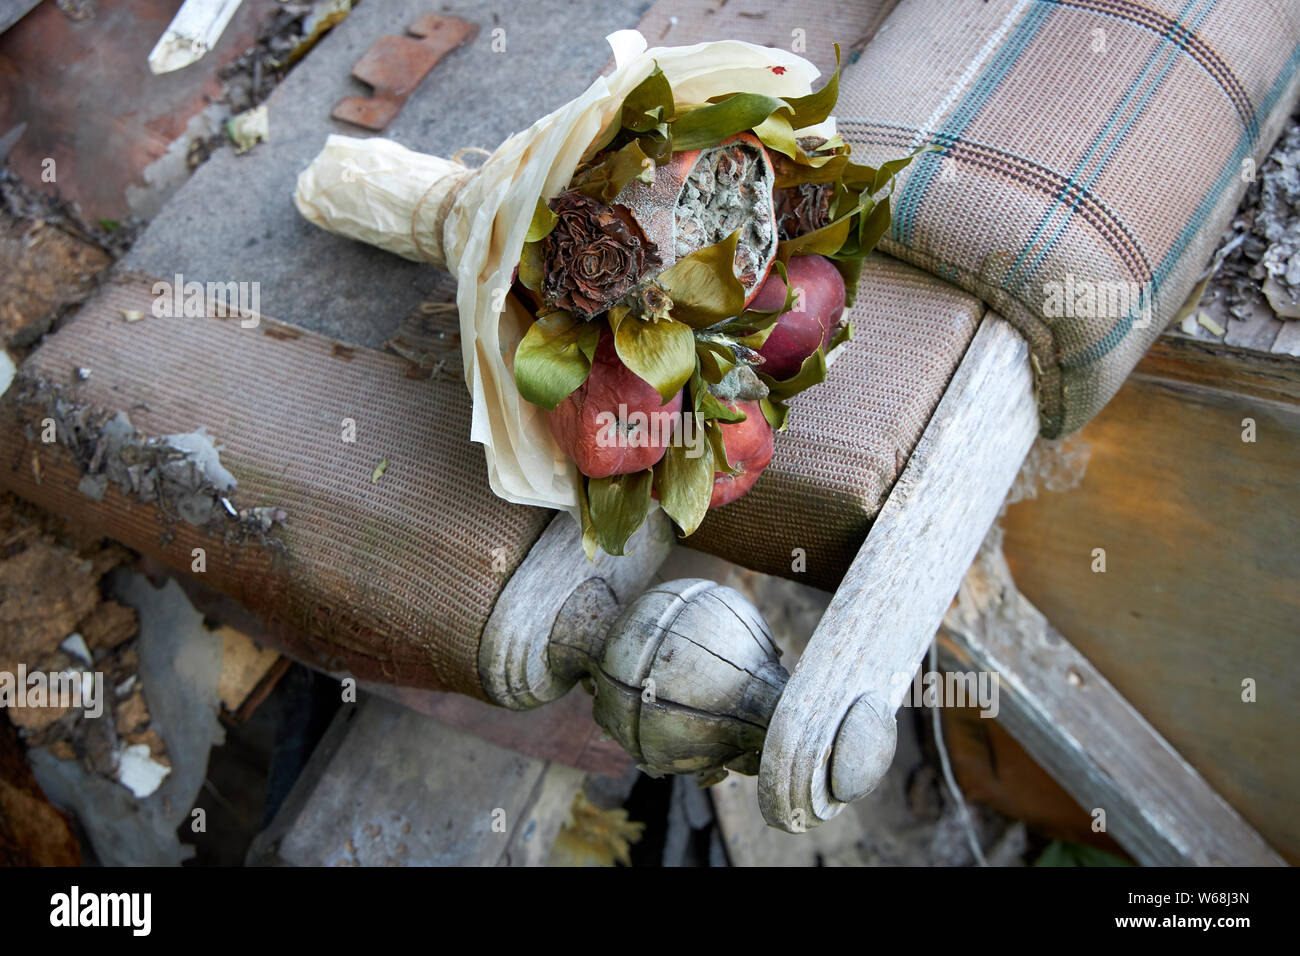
(646, 276)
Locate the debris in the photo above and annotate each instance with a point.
(132, 315)
(139, 772)
(1204, 319)
(194, 31)
(46, 271)
(1262, 267)
(7, 372)
(32, 832)
(247, 671)
(108, 625)
(595, 837)
(75, 645)
(325, 15)
(249, 128)
(395, 65)
(177, 663)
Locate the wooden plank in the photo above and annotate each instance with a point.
(1201, 532)
(11, 11)
(1092, 740)
(390, 787)
(883, 618)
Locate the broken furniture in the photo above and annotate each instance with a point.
(886, 483)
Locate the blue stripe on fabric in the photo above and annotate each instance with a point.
(918, 183)
(1171, 57)
(1245, 146)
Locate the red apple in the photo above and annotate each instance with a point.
(749, 451)
(603, 438)
(818, 306)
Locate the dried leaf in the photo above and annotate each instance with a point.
(710, 125)
(703, 285)
(685, 483)
(618, 506)
(554, 358)
(661, 353)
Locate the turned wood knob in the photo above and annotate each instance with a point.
(685, 679)
(685, 675)
(864, 748)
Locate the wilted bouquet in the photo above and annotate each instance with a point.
(646, 275)
(689, 280)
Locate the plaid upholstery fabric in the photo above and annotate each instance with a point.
(1090, 154)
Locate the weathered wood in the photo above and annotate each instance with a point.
(11, 11)
(388, 786)
(1069, 718)
(886, 612)
(1201, 538)
(514, 661)
(686, 679)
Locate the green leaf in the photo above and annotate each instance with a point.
(531, 269)
(815, 107)
(554, 358)
(1060, 853)
(825, 241)
(661, 353)
(685, 483)
(777, 134)
(710, 125)
(703, 285)
(851, 271)
(844, 334)
(618, 506)
(812, 372)
(889, 170)
(874, 225)
(584, 518)
(543, 222)
(716, 360)
(775, 412)
(721, 463)
(708, 406)
(649, 104)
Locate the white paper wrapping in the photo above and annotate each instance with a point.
(379, 192)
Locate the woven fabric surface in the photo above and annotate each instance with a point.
(1090, 154)
(849, 437)
(389, 577)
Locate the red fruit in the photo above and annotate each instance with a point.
(818, 306)
(604, 439)
(749, 451)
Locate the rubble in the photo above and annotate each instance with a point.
(1264, 266)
